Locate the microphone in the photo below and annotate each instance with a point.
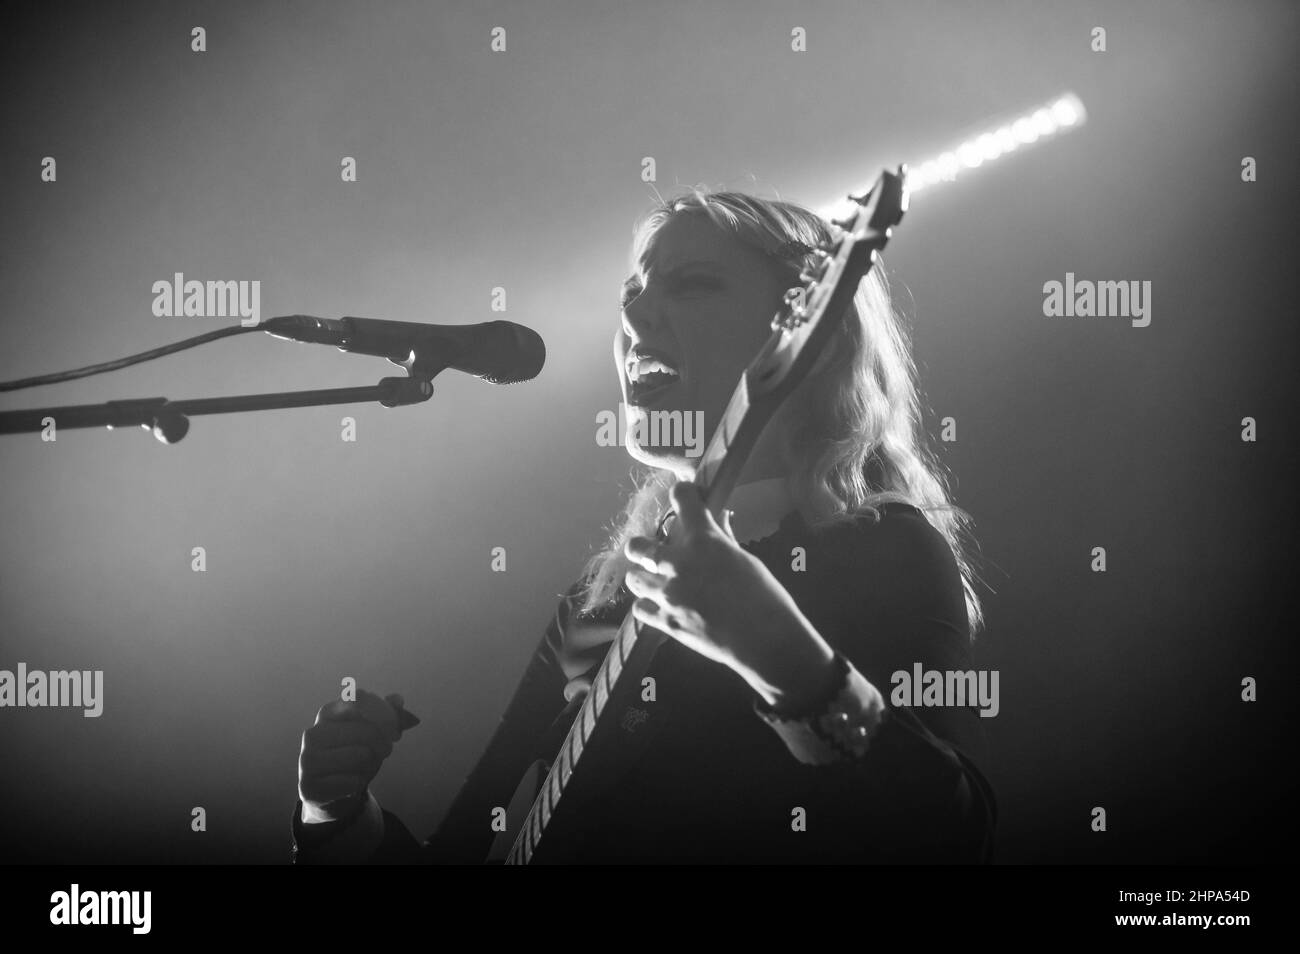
(500, 352)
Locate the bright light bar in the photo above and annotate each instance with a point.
(1061, 115)
(1064, 113)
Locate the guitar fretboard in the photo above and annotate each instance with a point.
(623, 658)
(614, 665)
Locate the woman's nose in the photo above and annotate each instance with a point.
(639, 316)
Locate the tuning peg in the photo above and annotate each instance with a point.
(796, 303)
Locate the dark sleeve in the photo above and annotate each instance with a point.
(919, 781)
(465, 835)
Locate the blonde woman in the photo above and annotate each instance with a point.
(767, 731)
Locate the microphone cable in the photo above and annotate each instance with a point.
(105, 366)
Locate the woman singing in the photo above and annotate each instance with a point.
(767, 730)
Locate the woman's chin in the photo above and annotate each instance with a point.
(664, 458)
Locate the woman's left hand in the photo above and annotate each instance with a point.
(703, 590)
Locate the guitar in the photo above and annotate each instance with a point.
(801, 329)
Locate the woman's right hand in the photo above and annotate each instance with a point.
(342, 752)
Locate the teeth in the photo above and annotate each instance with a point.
(644, 366)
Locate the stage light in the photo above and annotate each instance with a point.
(1067, 110)
(1064, 113)
(1024, 131)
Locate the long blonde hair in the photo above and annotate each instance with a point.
(853, 427)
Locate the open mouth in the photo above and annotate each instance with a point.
(649, 375)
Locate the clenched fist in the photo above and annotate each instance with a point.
(342, 752)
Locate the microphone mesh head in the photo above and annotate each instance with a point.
(517, 354)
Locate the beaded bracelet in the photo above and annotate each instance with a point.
(839, 726)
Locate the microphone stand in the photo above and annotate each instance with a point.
(169, 420)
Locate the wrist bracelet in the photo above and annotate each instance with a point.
(841, 727)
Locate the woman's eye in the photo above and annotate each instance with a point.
(689, 284)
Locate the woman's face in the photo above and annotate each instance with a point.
(695, 313)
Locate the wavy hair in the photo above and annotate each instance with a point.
(853, 432)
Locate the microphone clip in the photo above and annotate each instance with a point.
(398, 392)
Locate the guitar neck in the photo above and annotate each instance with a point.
(628, 659)
(633, 648)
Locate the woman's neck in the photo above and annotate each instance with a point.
(762, 496)
(758, 507)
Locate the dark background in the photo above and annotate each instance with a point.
(522, 169)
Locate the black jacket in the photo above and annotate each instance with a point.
(707, 781)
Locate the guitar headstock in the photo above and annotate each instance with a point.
(810, 309)
(880, 208)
